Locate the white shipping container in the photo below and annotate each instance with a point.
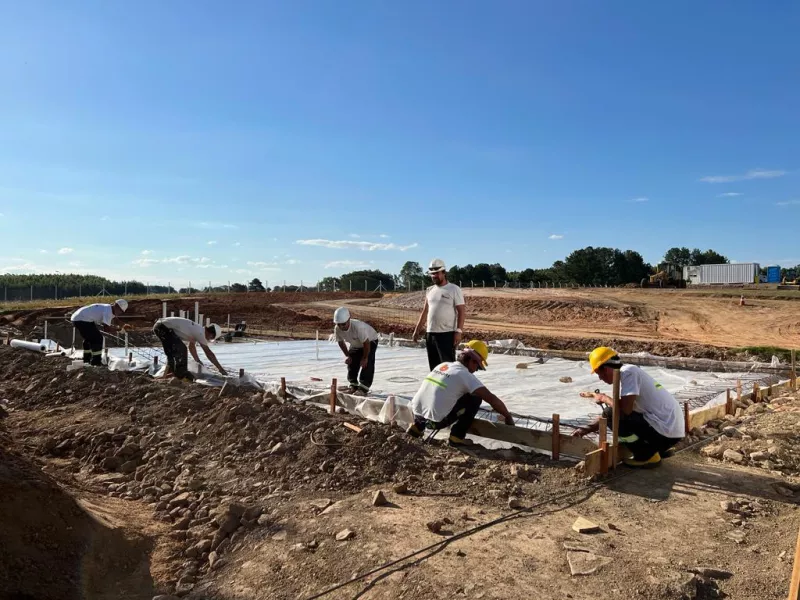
(726, 274)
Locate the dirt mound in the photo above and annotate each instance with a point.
(50, 547)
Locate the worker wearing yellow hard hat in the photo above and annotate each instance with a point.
(650, 421)
(451, 395)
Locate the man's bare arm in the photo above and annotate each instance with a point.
(495, 402)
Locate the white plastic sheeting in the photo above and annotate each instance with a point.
(399, 371)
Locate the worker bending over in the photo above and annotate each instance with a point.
(452, 395)
(650, 420)
(173, 332)
(89, 321)
(363, 340)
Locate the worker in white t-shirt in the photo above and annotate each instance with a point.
(173, 332)
(444, 313)
(89, 321)
(651, 420)
(360, 356)
(452, 395)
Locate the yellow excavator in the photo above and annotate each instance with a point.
(667, 275)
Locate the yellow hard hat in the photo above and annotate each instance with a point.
(481, 348)
(600, 356)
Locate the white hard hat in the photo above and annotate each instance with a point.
(217, 330)
(437, 264)
(123, 304)
(342, 315)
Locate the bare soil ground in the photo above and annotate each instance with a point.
(114, 485)
(703, 324)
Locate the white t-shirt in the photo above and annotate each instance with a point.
(186, 329)
(441, 390)
(357, 334)
(653, 401)
(442, 302)
(94, 313)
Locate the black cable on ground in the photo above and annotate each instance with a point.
(440, 545)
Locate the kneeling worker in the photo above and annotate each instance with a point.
(452, 395)
(650, 421)
(363, 340)
(173, 332)
(88, 321)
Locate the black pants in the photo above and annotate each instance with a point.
(441, 348)
(175, 349)
(364, 380)
(461, 417)
(637, 435)
(92, 342)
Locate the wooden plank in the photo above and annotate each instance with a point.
(542, 440)
(615, 426)
(593, 462)
(556, 436)
(602, 432)
(794, 586)
(701, 417)
(355, 428)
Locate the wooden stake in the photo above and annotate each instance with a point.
(352, 427)
(686, 416)
(333, 396)
(241, 373)
(738, 391)
(130, 358)
(756, 394)
(283, 387)
(155, 362)
(603, 444)
(615, 425)
(794, 586)
(728, 402)
(794, 375)
(556, 436)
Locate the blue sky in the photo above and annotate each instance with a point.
(172, 141)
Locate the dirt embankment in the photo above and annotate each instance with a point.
(174, 489)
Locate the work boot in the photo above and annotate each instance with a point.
(649, 463)
(360, 392)
(457, 441)
(414, 431)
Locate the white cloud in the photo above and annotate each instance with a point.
(729, 195)
(348, 244)
(1, 215)
(212, 242)
(146, 262)
(355, 235)
(787, 203)
(237, 244)
(555, 236)
(640, 199)
(104, 218)
(198, 262)
(24, 267)
(146, 252)
(210, 225)
(42, 251)
(243, 272)
(751, 174)
(348, 264)
(293, 261)
(264, 266)
(384, 236)
(66, 251)
(75, 263)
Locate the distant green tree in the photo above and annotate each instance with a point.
(679, 256)
(256, 286)
(238, 287)
(411, 276)
(709, 257)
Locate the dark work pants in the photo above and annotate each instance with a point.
(642, 440)
(175, 349)
(364, 381)
(92, 342)
(461, 417)
(441, 348)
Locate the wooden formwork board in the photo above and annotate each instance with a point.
(541, 440)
